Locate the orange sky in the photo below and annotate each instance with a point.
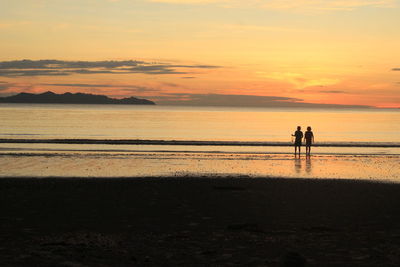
(330, 52)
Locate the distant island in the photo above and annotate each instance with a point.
(70, 98)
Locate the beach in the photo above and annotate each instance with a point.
(198, 221)
(171, 186)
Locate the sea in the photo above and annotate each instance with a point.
(58, 140)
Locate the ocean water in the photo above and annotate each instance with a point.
(132, 141)
(36, 121)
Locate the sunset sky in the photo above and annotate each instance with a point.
(211, 52)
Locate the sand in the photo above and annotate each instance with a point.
(198, 221)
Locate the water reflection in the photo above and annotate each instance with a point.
(308, 165)
(297, 165)
(167, 164)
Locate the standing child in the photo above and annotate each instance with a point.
(297, 142)
(309, 138)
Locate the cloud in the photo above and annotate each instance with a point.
(32, 73)
(396, 69)
(119, 87)
(61, 64)
(63, 68)
(123, 89)
(332, 92)
(10, 88)
(299, 80)
(125, 92)
(77, 85)
(170, 84)
(239, 101)
(325, 5)
(4, 87)
(297, 5)
(220, 99)
(259, 28)
(139, 89)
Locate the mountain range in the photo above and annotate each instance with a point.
(70, 98)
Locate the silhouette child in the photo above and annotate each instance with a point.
(298, 137)
(309, 138)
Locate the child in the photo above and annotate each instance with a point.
(309, 138)
(297, 142)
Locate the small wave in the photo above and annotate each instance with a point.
(192, 143)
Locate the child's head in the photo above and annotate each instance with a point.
(308, 128)
(298, 128)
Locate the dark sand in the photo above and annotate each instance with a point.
(198, 222)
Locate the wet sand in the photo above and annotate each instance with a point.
(171, 164)
(198, 221)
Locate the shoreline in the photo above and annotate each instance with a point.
(198, 221)
(365, 144)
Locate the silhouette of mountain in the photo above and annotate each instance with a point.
(69, 98)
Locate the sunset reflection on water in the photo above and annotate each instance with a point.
(377, 167)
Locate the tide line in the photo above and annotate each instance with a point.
(192, 142)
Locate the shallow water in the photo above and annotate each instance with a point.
(78, 148)
(140, 164)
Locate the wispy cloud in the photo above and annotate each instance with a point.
(333, 92)
(124, 92)
(63, 68)
(326, 5)
(260, 28)
(119, 87)
(221, 99)
(4, 87)
(33, 73)
(8, 88)
(396, 69)
(239, 101)
(115, 90)
(77, 85)
(290, 4)
(299, 80)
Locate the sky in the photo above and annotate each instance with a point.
(205, 52)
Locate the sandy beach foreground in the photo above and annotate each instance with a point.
(197, 221)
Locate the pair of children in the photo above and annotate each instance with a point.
(308, 137)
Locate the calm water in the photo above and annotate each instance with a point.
(108, 122)
(195, 123)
